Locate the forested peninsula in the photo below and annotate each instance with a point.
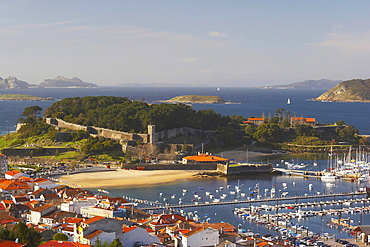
(122, 114)
(356, 90)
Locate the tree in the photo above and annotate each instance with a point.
(60, 237)
(26, 234)
(267, 132)
(31, 111)
(348, 133)
(115, 243)
(340, 123)
(303, 130)
(250, 129)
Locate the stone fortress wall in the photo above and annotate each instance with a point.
(152, 137)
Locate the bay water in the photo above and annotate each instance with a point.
(247, 102)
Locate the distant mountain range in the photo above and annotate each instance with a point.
(58, 82)
(309, 84)
(356, 90)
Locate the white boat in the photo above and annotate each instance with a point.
(328, 176)
(330, 184)
(363, 178)
(288, 102)
(184, 190)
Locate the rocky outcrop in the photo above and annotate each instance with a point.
(13, 83)
(196, 99)
(61, 81)
(356, 90)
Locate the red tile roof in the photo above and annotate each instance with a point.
(256, 119)
(12, 173)
(127, 229)
(13, 185)
(205, 158)
(6, 243)
(73, 220)
(54, 243)
(43, 207)
(93, 219)
(194, 231)
(93, 234)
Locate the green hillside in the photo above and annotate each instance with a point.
(356, 90)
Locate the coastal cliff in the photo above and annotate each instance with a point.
(13, 83)
(356, 90)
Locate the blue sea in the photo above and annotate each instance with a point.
(248, 102)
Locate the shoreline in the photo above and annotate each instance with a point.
(137, 178)
(127, 178)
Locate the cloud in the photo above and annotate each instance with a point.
(347, 42)
(216, 34)
(188, 59)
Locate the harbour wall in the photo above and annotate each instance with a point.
(244, 169)
(170, 167)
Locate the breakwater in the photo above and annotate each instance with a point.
(244, 168)
(170, 166)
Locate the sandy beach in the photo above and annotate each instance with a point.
(131, 178)
(127, 178)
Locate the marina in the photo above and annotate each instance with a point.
(260, 200)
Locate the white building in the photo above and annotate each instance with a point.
(137, 235)
(200, 236)
(75, 205)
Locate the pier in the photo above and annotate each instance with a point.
(255, 200)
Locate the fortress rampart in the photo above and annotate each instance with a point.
(152, 137)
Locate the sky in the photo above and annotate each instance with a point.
(185, 42)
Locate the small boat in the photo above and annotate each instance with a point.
(328, 177)
(330, 184)
(288, 102)
(184, 190)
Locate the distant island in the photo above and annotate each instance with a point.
(61, 81)
(21, 97)
(195, 99)
(58, 82)
(308, 84)
(356, 90)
